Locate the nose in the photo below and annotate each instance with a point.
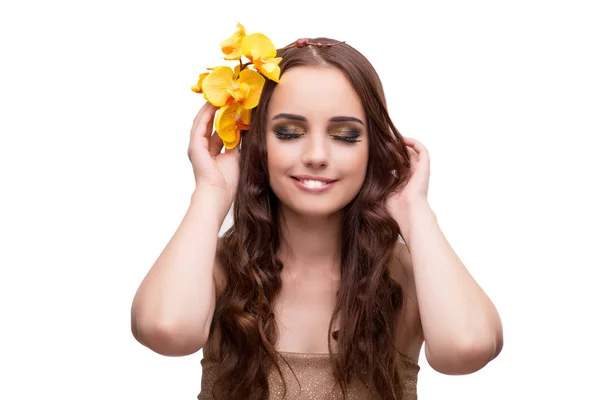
(316, 152)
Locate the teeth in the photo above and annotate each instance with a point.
(313, 184)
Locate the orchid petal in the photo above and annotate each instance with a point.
(216, 86)
(257, 46)
(255, 82)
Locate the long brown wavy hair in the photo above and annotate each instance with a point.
(368, 300)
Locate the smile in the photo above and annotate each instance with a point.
(313, 184)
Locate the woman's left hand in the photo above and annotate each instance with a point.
(415, 190)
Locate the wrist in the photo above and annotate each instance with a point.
(407, 208)
(213, 199)
(413, 213)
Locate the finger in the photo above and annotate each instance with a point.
(202, 110)
(202, 119)
(414, 157)
(215, 144)
(201, 134)
(199, 115)
(208, 130)
(415, 144)
(412, 152)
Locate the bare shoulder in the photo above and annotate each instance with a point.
(410, 331)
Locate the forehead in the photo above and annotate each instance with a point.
(318, 93)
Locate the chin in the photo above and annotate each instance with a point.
(321, 211)
(314, 207)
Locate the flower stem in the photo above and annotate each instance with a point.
(243, 66)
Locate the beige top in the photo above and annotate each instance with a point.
(315, 374)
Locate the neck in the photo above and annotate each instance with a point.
(310, 244)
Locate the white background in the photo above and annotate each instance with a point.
(96, 110)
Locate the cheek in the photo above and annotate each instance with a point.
(363, 157)
(280, 162)
(355, 162)
(276, 159)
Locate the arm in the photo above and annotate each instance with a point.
(461, 326)
(174, 305)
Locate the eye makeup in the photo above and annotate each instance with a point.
(346, 134)
(286, 132)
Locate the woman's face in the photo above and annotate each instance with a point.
(317, 141)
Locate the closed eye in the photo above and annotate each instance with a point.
(347, 138)
(344, 134)
(288, 132)
(350, 135)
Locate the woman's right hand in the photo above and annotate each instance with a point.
(213, 170)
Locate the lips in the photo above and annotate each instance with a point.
(313, 178)
(313, 183)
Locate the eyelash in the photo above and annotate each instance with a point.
(283, 134)
(350, 138)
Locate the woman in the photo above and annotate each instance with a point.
(311, 292)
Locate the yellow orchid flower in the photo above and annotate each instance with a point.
(220, 87)
(198, 86)
(258, 47)
(250, 83)
(269, 68)
(215, 86)
(236, 91)
(230, 121)
(232, 46)
(261, 52)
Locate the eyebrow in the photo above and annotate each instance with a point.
(296, 117)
